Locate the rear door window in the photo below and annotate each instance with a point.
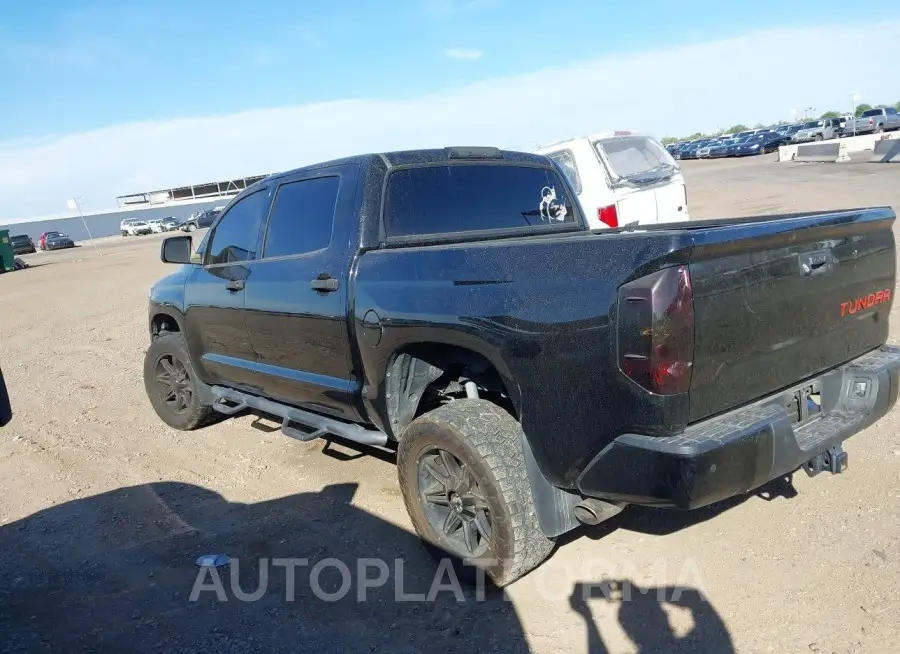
(475, 197)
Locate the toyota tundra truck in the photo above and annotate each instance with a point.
(533, 374)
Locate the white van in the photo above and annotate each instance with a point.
(622, 178)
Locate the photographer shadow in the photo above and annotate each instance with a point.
(118, 572)
(642, 617)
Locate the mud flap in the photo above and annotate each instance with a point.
(554, 506)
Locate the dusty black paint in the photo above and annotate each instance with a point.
(540, 307)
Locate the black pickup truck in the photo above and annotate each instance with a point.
(532, 374)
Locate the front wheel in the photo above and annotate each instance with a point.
(463, 478)
(171, 384)
(192, 228)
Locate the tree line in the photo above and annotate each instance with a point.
(860, 109)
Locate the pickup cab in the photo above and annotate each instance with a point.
(818, 130)
(532, 373)
(874, 121)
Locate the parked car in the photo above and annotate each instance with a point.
(703, 151)
(724, 148)
(42, 241)
(622, 177)
(789, 130)
(22, 244)
(58, 241)
(199, 220)
(534, 373)
(135, 227)
(170, 223)
(818, 130)
(690, 150)
(874, 121)
(761, 143)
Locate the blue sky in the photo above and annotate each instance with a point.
(73, 66)
(102, 98)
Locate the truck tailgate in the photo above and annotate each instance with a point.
(778, 302)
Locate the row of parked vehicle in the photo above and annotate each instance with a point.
(23, 244)
(768, 139)
(742, 144)
(197, 220)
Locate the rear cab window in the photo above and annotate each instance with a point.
(635, 159)
(454, 198)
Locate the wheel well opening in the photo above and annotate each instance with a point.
(423, 377)
(163, 323)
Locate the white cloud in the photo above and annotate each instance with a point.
(462, 53)
(758, 77)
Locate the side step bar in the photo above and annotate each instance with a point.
(230, 402)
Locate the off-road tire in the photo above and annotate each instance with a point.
(487, 441)
(197, 414)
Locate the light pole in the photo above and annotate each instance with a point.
(73, 204)
(854, 98)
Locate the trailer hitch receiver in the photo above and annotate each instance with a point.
(833, 460)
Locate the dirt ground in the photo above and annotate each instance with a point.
(105, 510)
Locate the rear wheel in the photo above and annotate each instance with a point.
(879, 129)
(171, 384)
(192, 227)
(462, 474)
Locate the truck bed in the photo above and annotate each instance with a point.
(543, 311)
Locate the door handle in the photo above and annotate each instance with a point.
(816, 263)
(235, 285)
(324, 283)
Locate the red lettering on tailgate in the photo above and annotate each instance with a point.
(865, 302)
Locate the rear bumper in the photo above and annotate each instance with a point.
(741, 450)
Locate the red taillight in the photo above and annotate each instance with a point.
(871, 121)
(656, 330)
(608, 215)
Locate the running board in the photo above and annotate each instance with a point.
(230, 402)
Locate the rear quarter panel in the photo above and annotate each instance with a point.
(541, 309)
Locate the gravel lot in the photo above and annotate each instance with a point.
(105, 510)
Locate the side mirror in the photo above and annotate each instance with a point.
(176, 249)
(5, 407)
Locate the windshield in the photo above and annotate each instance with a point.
(813, 123)
(635, 158)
